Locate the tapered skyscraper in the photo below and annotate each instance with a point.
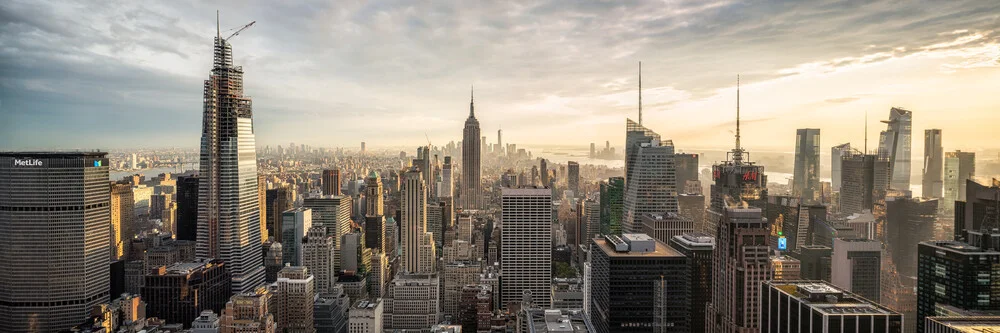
(228, 208)
(471, 151)
(894, 144)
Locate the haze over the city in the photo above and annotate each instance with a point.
(547, 72)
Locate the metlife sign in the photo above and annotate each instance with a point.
(31, 162)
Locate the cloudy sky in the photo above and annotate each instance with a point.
(119, 74)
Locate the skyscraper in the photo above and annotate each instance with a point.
(650, 182)
(374, 214)
(413, 302)
(573, 180)
(179, 292)
(318, 252)
(856, 266)
(959, 166)
(894, 144)
(909, 221)
(295, 224)
(331, 182)
(278, 199)
(526, 235)
(122, 220)
(740, 263)
(805, 182)
(837, 154)
(612, 204)
(248, 312)
(187, 208)
(958, 275)
(639, 285)
(471, 159)
(294, 297)
(933, 164)
(228, 215)
(698, 248)
(687, 170)
(543, 171)
(334, 213)
(981, 208)
(447, 179)
(864, 182)
(417, 243)
(54, 239)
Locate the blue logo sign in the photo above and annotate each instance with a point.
(97, 163)
(782, 243)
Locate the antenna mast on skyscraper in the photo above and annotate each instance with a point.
(737, 112)
(640, 93)
(866, 131)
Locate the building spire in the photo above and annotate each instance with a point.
(737, 112)
(472, 102)
(640, 93)
(218, 31)
(866, 132)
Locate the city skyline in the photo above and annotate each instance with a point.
(935, 60)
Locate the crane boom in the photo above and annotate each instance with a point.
(241, 30)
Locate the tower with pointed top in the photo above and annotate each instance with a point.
(228, 206)
(471, 155)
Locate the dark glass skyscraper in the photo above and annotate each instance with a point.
(805, 182)
(331, 182)
(698, 248)
(228, 204)
(277, 200)
(963, 276)
(650, 180)
(909, 222)
(187, 208)
(55, 243)
(471, 159)
(864, 182)
(612, 203)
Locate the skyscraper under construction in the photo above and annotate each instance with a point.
(228, 207)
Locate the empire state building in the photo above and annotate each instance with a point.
(228, 209)
(471, 154)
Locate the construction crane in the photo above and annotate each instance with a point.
(241, 30)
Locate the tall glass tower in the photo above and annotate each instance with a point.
(894, 143)
(228, 207)
(805, 183)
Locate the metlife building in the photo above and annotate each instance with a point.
(54, 239)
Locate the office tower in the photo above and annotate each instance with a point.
(687, 169)
(262, 203)
(856, 265)
(447, 179)
(374, 213)
(815, 261)
(187, 208)
(650, 182)
(279, 199)
(864, 182)
(417, 243)
(909, 222)
(412, 303)
(664, 226)
(318, 252)
(740, 264)
(785, 268)
(366, 316)
(933, 164)
(435, 216)
(980, 208)
(592, 213)
(228, 215)
(331, 311)
(894, 144)
(168, 290)
(959, 166)
(471, 159)
(837, 154)
(379, 276)
(639, 284)
(293, 299)
(334, 213)
(526, 235)
(612, 205)
(295, 223)
(355, 257)
(476, 308)
(805, 181)
(573, 180)
(455, 276)
(692, 206)
(141, 196)
(543, 172)
(817, 306)
(122, 220)
(331, 182)
(249, 312)
(534, 176)
(958, 276)
(698, 248)
(54, 239)
(274, 261)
